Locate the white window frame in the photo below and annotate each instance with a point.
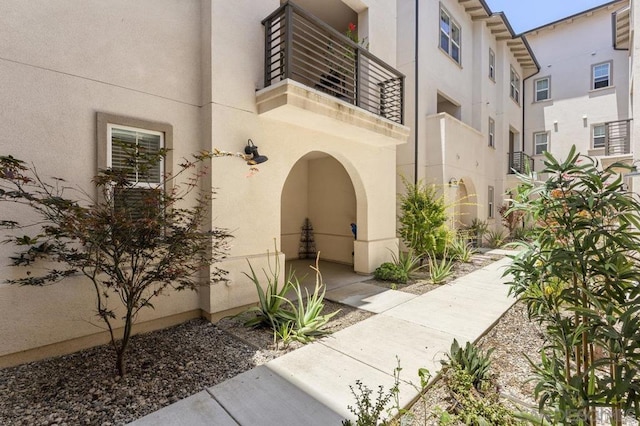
(536, 144)
(138, 182)
(492, 65)
(594, 67)
(492, 133)
(537, 91)
(490, 202)
(603, 136)
(449, 35)
(514, 85)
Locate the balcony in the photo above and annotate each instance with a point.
(316, 77)
(519, 162)
(617, 140)
(616, 144)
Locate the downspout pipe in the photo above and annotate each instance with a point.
(415, 100)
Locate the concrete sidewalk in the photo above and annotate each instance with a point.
(310, 385)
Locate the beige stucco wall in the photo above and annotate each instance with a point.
(179, 63)
(448, 147)
(566, 52)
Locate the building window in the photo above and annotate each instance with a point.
(490, 202)
(133, 145)
(492, 65)
(541, 143)
(543, 89)
(601, 75)
(515, 86)
(135, 151)
(449, 35)
(599, 135)
(492, 132)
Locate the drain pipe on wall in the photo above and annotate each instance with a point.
(415, 100)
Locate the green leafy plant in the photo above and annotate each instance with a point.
(272, 299)
(130, 244)
(439, 269)
(422, 219)
(472, 360)
(407, 261)
(461, 250)
(369, 412)
(307, 319)
(301, 319)
(579, 278)
(496, 238)
(391, 272)
(477, 229)
(472, 407)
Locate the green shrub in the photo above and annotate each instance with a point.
(423, 218)
(460, 249)
(407, 261)
(471, 360)
(474, 408)
(580, 278)
(391, 272)
(439, 269)
(303, 320)
(306, 317)
(496, 238)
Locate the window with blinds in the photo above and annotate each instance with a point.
(137, 153)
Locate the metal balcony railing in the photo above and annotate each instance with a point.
(301, 47)
(617, 139)
(519, 162)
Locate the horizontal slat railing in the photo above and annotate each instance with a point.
(519, 162)
(301, 47)
(617, 137)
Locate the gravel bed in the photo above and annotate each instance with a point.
(168, 365)
(163, 367)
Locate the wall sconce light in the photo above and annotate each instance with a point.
(453, 182)
(555, 126)
(252, 150)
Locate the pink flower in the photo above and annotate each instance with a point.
(352, 26)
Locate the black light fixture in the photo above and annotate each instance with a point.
(252, 151)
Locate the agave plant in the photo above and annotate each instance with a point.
(439, 269)
(306, 317)
(271, 301)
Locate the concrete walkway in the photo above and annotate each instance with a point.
(310, 386)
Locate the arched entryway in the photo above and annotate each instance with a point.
(319, 188)
(466, 204)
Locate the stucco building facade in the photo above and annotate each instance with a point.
(443, 92)
(196, 76)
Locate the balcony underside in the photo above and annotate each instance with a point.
(295, 103)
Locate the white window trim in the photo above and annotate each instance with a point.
(609, 75)
(452, 23)
(103, 120)
(492, 133)
(536, 91)
(492, 65)
(514, 85)
(593, 136)
(535, 144)
(109, 164)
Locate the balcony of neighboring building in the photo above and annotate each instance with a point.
(519, 162)
(613, 143)
(453, 146)
(317, 77)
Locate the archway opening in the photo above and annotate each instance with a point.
(318, 188)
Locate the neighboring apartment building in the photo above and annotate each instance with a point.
(197, 75)
(581, 96)
(466, 108)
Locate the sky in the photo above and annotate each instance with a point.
(525, 15)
